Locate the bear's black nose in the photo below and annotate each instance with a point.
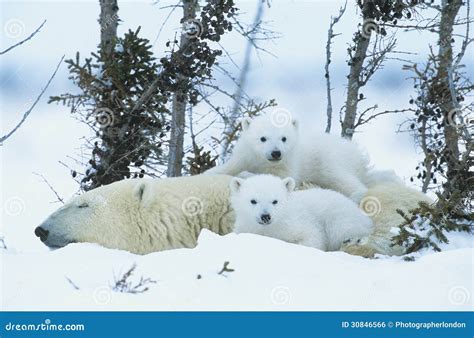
(41, 233)
(276, 155)
(266, 218)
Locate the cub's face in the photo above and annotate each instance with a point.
(270, 140)
(259, 200)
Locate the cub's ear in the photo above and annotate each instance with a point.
(235, 184)
(295, 123)
(142, 192)
(246, 123)
(289, 183)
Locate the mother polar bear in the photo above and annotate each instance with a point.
(146, 215)
(143, 215)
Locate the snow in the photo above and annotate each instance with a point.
(119, 48)
(98, 71)
(268, 275)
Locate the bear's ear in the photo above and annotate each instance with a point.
(142, 193)
(295, 123)
(246, 123)
(289, 183)
(235, 184)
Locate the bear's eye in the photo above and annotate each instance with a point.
(275, 202)
(263, 139)
(83, 205)
(253, 201)
(283, 139)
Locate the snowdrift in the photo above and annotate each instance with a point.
(262, 274)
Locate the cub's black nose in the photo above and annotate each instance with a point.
(276, 155)
(266, 218)
(41, 233)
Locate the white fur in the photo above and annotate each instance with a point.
(144, 215)
(318, 218)
(328, 161)
(381, 202)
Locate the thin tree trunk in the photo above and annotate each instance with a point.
(328, 80)
(234, 113)
(444, 91)
(428, 158)
(353, 86)
(331, 35)
(108, 21)
(178, 120)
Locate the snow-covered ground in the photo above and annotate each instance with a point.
(268, 275)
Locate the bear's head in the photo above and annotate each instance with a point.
(259, 201)
(102, 215)
(270, 139)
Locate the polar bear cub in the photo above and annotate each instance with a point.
(271, 147)
(319, 218)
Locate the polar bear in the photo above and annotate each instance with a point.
(319, 218)
(267, 146)
(143, 215)
(381, 203)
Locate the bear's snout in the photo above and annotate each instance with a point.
(276, 155)
(266, 218)
(41, 233)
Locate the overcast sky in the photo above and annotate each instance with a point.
(294, 77)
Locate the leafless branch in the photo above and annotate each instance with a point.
(60, 199)
(229, 56)
(72, 283)
(28, 112)
(362, 119)
(466, 40)
(24, 40)
(229, 120)
(173, 8)
(433, 27)
(331, 35)
(225, 268)
(122, 284)
(376, 58)
(256, 31)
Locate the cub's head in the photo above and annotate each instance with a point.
(259, 201)
(270, 138)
